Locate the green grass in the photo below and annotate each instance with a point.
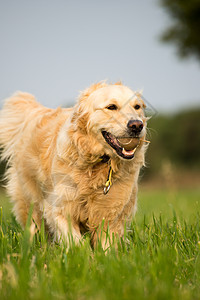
(159, 260)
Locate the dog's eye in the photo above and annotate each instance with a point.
(137, 106)
(112, 107)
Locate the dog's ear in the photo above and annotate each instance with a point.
(80, 116)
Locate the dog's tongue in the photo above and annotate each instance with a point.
(128, 143)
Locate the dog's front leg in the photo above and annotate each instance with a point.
(107, 233)
(57, 214)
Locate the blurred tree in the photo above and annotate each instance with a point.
(185, 30)
(176, 139)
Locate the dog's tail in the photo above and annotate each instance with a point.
(13, 119)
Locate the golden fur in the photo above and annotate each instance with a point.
(53, 157)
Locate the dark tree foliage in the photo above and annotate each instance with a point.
(175, 138)
(185, 30)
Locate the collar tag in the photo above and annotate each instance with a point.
(108, 183)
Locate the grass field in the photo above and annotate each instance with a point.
(159, 260)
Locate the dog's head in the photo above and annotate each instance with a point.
(112, 116)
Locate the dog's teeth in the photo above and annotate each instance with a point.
(130, 152)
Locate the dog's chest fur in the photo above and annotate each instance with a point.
(84, 190)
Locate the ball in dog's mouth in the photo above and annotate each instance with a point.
(125, 147)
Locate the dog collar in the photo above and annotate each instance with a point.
(104, 158)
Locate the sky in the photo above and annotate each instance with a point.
(55, 49)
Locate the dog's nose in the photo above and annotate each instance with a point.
(135, 126)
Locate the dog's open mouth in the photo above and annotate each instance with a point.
(125, 147)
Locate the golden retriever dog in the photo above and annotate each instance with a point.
(78, 166)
